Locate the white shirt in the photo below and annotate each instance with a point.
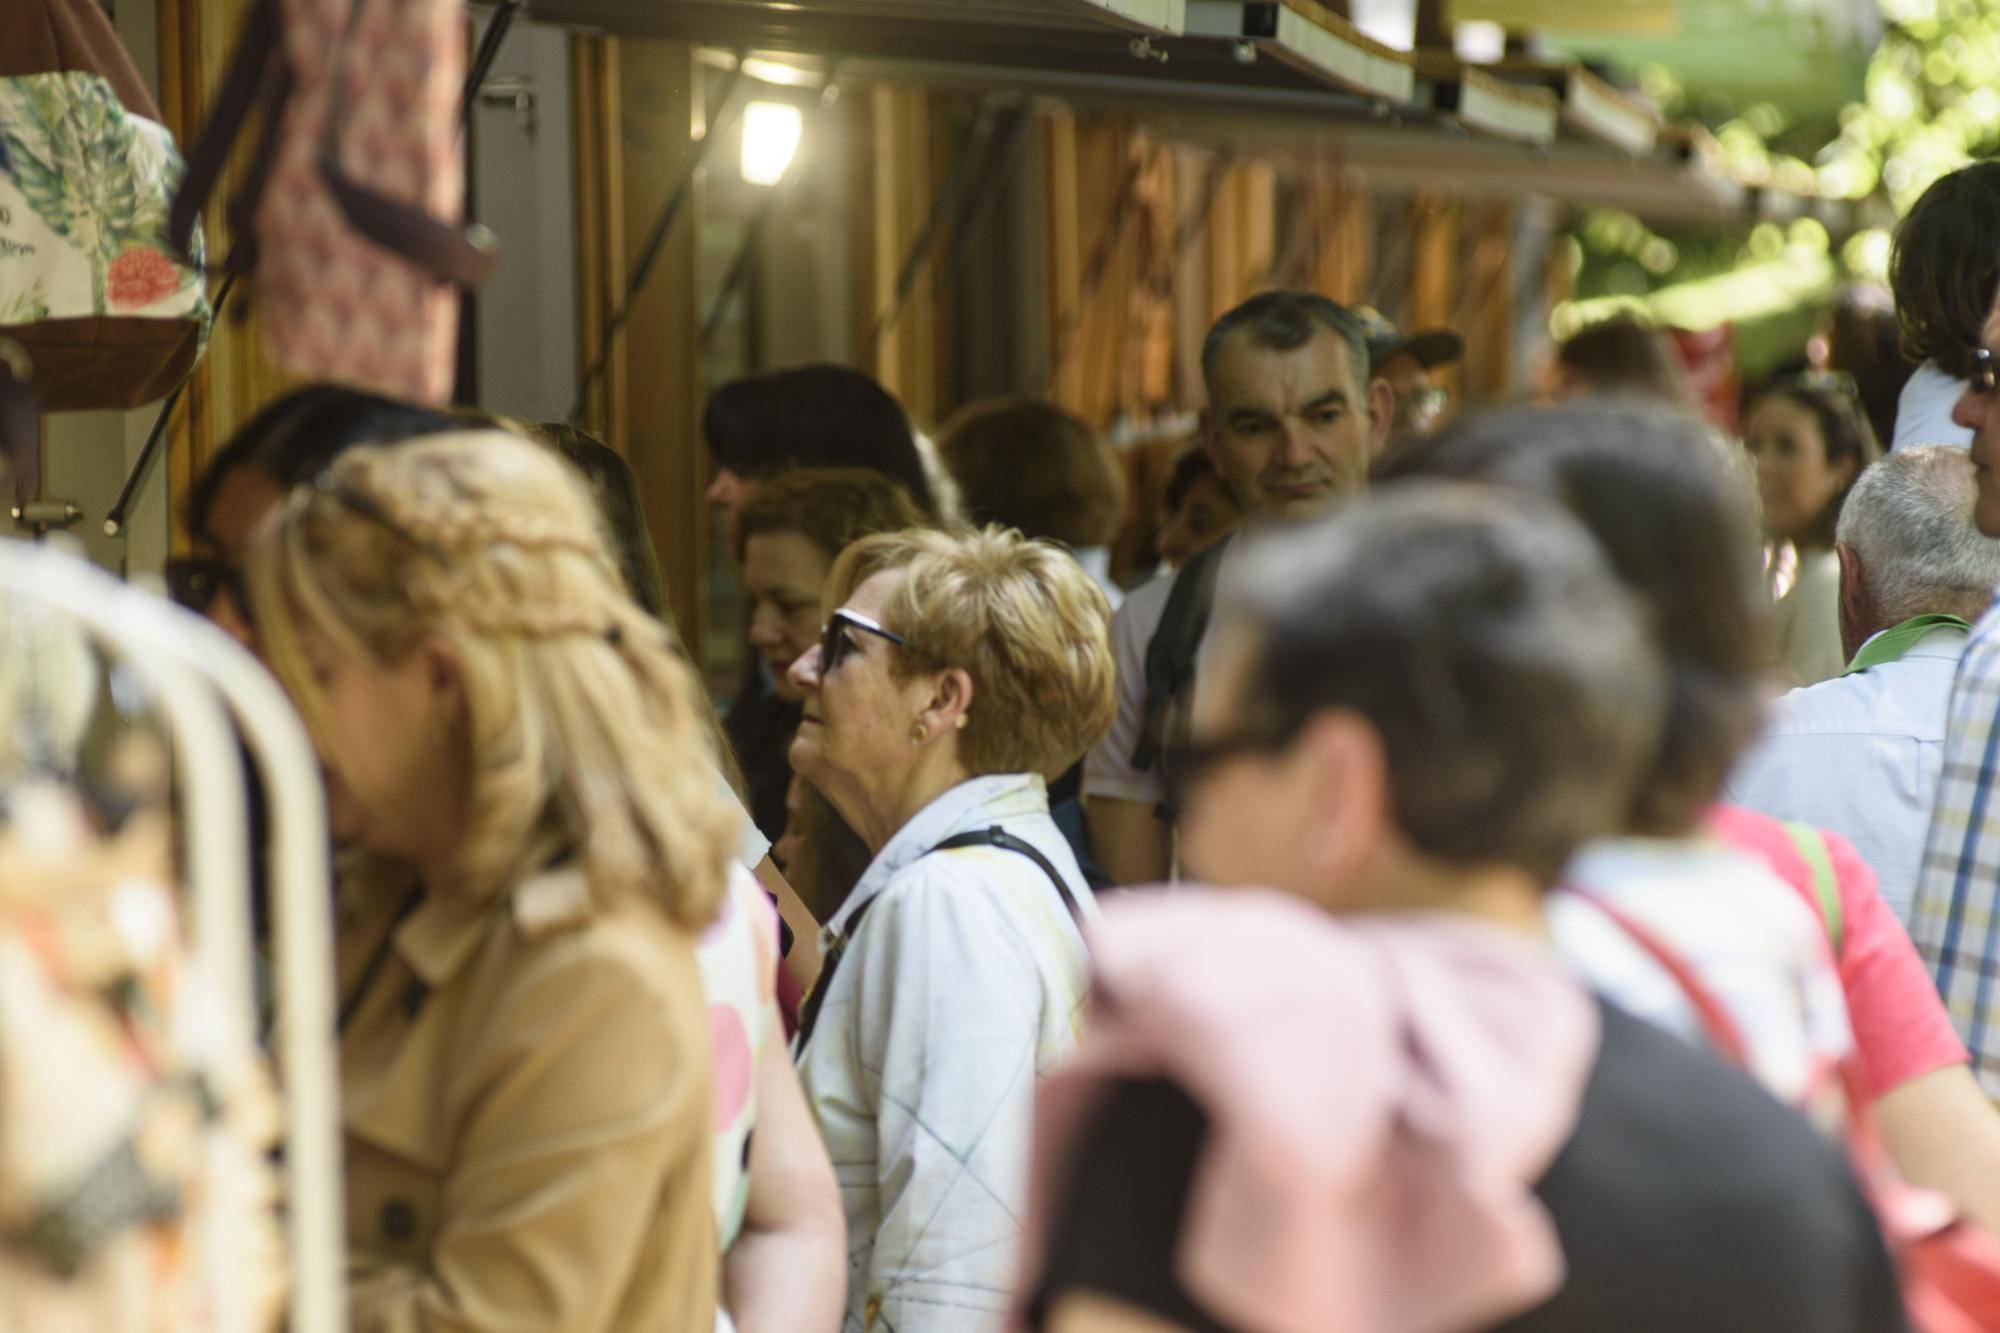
(1808, 621)
(1861, 755)
(1107, 769)
(964, 982)
(1096, 562)
(1923, 413)
(1746, 933)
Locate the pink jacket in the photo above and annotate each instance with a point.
(1383, 1094)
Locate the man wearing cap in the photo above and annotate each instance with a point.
(1406, 362)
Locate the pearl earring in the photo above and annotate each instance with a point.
(919, 734)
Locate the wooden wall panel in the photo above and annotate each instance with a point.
(655, 101)
(893, 164)
(1486, 313)
(234, 378)
(1434, 278)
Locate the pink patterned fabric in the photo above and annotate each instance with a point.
(1383, 1093)
(335, 305)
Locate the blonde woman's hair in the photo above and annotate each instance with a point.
(583, 725)
(1018, 616)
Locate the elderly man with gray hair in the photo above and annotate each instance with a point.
(1861, 754)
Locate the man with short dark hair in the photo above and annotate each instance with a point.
(1861, 754)
(1294, 418)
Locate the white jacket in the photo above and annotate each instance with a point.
(964, 981)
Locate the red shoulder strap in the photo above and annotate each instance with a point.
(1723, 1034)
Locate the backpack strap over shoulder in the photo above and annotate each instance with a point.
(1170, 656)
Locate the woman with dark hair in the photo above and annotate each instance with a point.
(1810, 443)
(788, 537)
(1655, 491)
(1863, 340)
(810, 416)
(288, 441)
(1944, 270)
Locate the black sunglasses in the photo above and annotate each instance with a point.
(196, 581)
(834, 643)
(1186, 765)
(1985, 375)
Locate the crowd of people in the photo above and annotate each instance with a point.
(1408, 900)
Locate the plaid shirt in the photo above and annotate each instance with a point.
(1955, 917)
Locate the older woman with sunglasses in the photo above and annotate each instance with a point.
(957, 672)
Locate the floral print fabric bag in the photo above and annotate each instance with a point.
(90, 287)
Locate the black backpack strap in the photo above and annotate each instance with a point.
(1001, 838)
(992, 837)
(809, 1011)
(1170, 656)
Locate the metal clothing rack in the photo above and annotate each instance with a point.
(203, 681)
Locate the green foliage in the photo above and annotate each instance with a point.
(1931, 104)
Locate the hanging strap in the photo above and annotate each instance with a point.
(1811, 847)
(1007, 842)
(1171, 653)
(1721, 1029)
(991, 837)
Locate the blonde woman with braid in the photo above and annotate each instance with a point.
(517, 769)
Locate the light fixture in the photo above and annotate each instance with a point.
(771, 133)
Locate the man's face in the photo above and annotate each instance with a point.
(1289, 431)
(1978, 410)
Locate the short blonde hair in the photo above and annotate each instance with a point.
(1018, 616)
(583, 725)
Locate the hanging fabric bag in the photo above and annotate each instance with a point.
(110, 313)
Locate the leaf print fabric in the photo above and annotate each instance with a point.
(84, 187)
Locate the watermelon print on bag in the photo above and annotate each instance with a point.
(84, 186)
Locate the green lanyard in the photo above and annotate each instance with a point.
(1891, 644)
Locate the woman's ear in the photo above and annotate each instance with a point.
(950, 702)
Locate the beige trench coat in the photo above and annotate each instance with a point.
(526, 1104)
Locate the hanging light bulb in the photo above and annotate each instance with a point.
(771, 132)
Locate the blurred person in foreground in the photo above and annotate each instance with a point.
(776, 1207)
(518, 769)
(1751, 906)
(1418, 708)
(957, 672)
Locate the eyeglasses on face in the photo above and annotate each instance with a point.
(1187, 765)
(1985, 371)
(835, 642)
(196, 581)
